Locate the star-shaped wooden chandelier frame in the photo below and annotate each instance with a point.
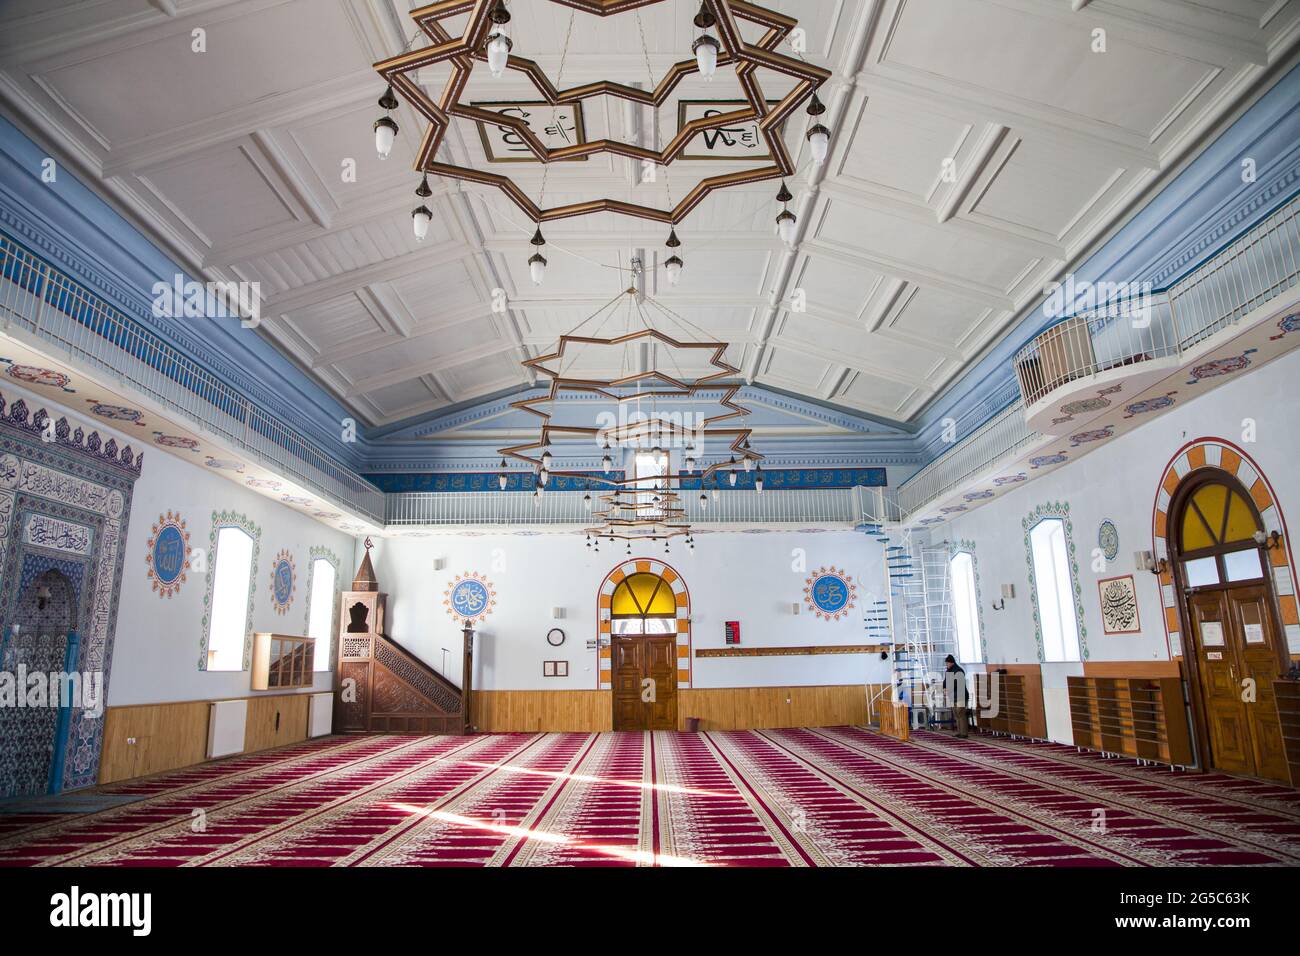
(464, 51)
(661, 429)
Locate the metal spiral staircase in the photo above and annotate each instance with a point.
(915, 622)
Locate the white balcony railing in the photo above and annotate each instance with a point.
(72, 324)
(815, 506)
(1002, 436)
(1144, 327)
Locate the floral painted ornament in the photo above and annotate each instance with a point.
(470, 597)
(169, 554)
(830, 593)
(284, 578)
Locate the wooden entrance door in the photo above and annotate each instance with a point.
(1237, 661)
(645, 682)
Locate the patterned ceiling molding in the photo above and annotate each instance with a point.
(1250, 211)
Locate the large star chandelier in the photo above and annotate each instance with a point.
(486, 39)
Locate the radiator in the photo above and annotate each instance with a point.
(320, 719)
(226, 724)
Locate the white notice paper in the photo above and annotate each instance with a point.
(1212, 633)
(1254, 633)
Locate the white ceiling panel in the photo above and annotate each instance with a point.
(981, 148)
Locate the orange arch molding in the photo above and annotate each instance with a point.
(682, 597)
(1210, 452)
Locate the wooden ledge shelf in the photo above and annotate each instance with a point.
(790, 651)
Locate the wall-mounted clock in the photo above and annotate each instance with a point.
(555, 637)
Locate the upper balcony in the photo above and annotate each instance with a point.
(42, 307)
(1139, 337)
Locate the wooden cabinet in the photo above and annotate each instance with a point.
(1286, 694)
(1139, 717)
(1002, 704)
(282, 661)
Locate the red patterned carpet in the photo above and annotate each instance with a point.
(802, 797)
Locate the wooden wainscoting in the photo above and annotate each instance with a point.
(175, 735)
(166, 736)
(542, 710)
(749, 708)
(723, 708)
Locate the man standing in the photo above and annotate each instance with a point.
(954, 680)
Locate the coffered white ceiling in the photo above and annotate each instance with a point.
(981, 148)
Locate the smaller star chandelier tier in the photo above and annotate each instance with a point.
(663, 371)
(662, 382)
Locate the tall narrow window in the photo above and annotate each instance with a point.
(320, 619)
(1054, 591)
(965, 606)
(649, 473)
(232, 580)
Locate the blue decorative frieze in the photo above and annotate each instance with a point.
(799, 478)
(516, 480)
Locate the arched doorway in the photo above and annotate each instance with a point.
(1235, 647)
(644, 616)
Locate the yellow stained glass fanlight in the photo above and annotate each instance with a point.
(641, 595)
(1216, 515)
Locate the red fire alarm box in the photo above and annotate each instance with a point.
(733, 632)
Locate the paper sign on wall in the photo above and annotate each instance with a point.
(1214, 656)
(1212, 633)
(1254, 633)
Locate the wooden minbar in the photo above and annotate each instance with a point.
(380, 687)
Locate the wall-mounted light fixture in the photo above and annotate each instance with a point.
(794, 608)
(1268, 541)
(439, 564)
(557, 613)
(1146, 561)
(1008, 591)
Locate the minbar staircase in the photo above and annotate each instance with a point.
(394, 692)
(381, 687)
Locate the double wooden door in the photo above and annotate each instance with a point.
(1237, 660)
(645, 681)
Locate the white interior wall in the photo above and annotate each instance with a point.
(746, 577)
(157, 641)
(1120, 481)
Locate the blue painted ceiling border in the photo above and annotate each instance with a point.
(70, 224)
(1201, 210)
